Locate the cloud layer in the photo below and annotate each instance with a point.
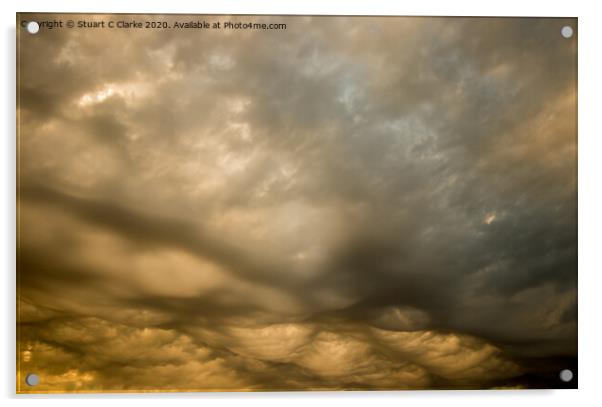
(350, 203)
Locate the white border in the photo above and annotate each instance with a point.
(590, 202)
(374, 7)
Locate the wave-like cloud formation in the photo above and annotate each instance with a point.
(350, 203)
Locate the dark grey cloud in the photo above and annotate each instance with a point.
(355, 203)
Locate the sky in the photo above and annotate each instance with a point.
(350, 203)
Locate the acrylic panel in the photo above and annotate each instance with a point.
(284, 203)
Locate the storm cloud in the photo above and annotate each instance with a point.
(348, 203)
